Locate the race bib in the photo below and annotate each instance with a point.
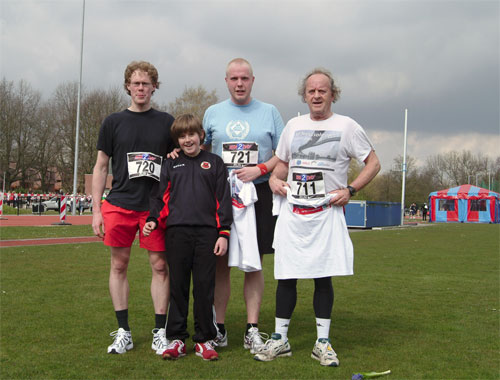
(240, 154)
(308, 185)
(144, 164)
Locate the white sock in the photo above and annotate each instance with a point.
(323, 327)
(282, 327)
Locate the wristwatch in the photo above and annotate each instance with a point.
(352, 190)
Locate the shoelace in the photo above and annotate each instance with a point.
(117, 334)
(260, 336)
(209, 345)
(162, 338)
(173, 343)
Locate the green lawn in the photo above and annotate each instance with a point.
(424, 303)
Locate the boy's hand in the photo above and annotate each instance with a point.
(148, 228)
(220, 248)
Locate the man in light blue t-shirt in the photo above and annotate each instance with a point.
(244, 119)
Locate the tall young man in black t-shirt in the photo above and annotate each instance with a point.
(137, 139)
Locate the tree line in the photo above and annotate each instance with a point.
(38, 143)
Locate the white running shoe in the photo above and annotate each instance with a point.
(122, 343)
(324, 352)
(220, 340)
(160, 341)
(253, 340)
(274, 348)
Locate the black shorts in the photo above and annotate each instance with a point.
(265, 220)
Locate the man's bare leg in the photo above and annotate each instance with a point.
(253, 289)
(118, 282)
(222, 288)
(160, 285)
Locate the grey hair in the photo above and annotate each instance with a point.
(320, 70)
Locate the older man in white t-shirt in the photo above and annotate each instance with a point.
(311, 238)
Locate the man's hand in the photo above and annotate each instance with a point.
(278, 186)
(97, 223)
(220, 248)
(342, 197)
(248, 173)
(174, 154)
(148, 228)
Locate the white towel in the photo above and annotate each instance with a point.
(311, 242)
(243, 247)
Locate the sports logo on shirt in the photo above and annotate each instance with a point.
(205, 165)
(237, 129)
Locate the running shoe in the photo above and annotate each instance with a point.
(324, 352)
(221, 340)
(253, 340)
(274, 348)
(206, 351)
(160, 341)
(176, 349)
(122, 342)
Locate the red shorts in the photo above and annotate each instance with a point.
(121, 225)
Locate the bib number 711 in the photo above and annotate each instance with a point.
(308, 185)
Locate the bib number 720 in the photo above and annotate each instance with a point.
(144, 164)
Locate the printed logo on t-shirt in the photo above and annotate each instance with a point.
(237, 129)
(315, 149)
(205, 165)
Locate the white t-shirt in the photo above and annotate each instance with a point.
(314, 242)
(325, 146)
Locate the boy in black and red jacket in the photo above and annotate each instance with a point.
(194, 201)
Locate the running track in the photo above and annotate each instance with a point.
(45, 220)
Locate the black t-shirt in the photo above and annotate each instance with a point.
(126, 132)
(194, 191)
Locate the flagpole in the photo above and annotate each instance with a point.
(75, 172)
(404, 170)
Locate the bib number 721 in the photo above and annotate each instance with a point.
(239, 154)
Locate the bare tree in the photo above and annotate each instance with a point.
(194, 100)
(96, 105)
(20, 111)
(45, 164)
(64, 103)
(6, 127)
(457, 168)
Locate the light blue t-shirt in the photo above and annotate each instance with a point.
(254, 122)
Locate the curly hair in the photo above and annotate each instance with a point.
(141, 66)
(319, 70)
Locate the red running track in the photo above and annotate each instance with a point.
(45, 220)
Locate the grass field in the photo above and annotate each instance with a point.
(424, 303)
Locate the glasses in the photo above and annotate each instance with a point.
(139, 84)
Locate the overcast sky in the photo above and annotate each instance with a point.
(438, 59)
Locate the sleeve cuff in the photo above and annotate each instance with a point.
(225, 233)
(152, 219)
